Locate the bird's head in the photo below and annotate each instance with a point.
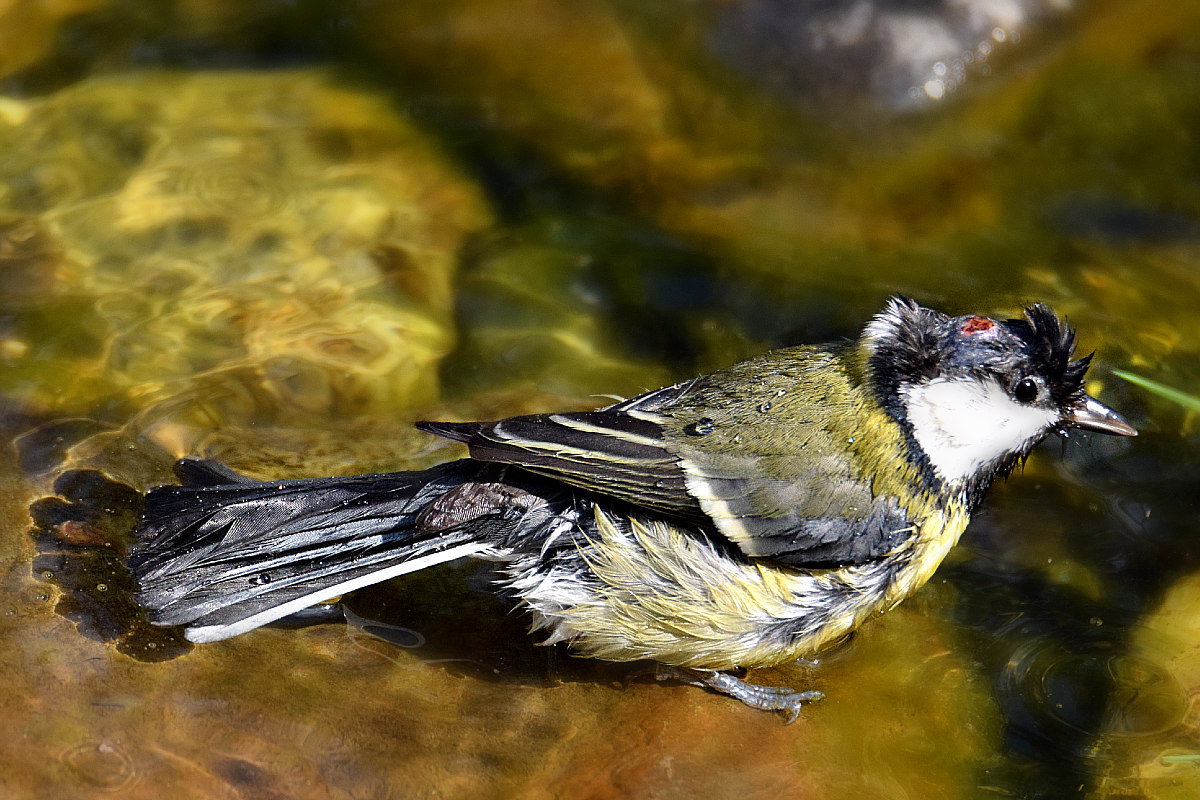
(976, 394)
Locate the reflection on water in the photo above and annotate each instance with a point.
(100, 765)
(82, 536)
(277, 233)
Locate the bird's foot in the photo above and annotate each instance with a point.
(765, 698)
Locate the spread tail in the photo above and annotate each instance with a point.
(224, 554)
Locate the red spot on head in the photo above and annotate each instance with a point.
(977, 325)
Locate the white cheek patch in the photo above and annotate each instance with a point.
(963, 424)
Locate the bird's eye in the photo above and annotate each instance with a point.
(1026, 390)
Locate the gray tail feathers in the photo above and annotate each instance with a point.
(224, 554)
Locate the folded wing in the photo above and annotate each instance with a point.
(798, 503)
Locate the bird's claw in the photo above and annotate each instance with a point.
(765, 698)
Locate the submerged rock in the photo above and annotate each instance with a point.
(889, 53)
(227, 249)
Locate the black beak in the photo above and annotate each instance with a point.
(1092, 415)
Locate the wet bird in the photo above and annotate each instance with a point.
(741, 519)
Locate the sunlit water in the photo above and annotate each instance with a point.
(278, 233)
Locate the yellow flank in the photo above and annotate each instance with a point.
(667, 595)
(939, 533)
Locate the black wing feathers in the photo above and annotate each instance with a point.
(834, 540)
(606, 451)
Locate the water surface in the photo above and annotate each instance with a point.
(279, 233)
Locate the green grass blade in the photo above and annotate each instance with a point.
(1188, 401)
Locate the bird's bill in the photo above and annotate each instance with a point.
(1092, 415)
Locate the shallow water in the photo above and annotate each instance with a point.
(279, 233)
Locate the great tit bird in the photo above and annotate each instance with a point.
(745, 518)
